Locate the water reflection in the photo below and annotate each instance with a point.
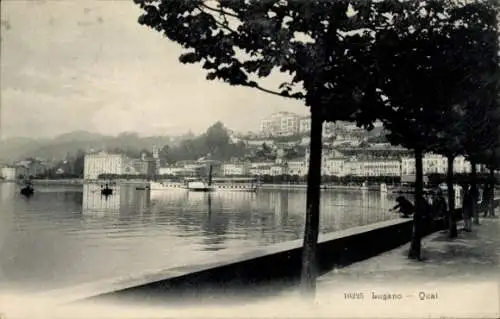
(66, 237)
(7, 190)
(125, 202)
(94, 202)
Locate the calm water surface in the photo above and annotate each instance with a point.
(68, 235)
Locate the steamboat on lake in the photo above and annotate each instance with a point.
(200, 185)
(238, 184)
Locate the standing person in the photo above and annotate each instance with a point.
(426, 215)
(467, 208)
(487, 197)
(439, 205)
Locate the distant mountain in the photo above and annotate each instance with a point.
(14, 149)
(78, 136)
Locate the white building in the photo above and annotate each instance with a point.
(305, 124)
(267, 168)
(173, 170)
(239, 169)
(298, 166)
(9, 173)
(267, 126)
(434, 163)
(288, 123)
(261, 169)
(376, 167)
(102, 163)
(328, 129)
(281, 124)
(277, 170)
(333, 166)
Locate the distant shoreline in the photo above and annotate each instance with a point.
(265, 186)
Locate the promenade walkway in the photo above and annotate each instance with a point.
(458, 278)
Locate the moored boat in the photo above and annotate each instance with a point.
(200, 186)
(27, 188)
(106, 190)
(162, 186)
(227, 184)
(237, 184)
(218, 184)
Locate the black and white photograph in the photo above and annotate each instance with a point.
(249, 159)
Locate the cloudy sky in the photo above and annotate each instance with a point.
(88, 65)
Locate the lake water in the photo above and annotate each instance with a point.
(68, 235)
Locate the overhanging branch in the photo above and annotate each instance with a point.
(223, 25)
(220, 11)
(260, 88)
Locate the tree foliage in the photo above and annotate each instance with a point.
(240, 42)
(415, 71)
(215, 143)
(433, 64)
(468, 127)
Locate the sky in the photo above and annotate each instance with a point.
(88, 65)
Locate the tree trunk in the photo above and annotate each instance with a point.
(452, 224)
(415, 246)
(473, 183)
(491, 196)
(309, 267)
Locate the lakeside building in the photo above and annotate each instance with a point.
(434, 163)
(373, 167)
(333, 166)
(271, 169)
(334, 163)
(199, 168)
(263, 168)
(103, 163)
(298, 166)
(176, 171)
(235, 169)
(137, 166)
(9, 173)
(31, 167)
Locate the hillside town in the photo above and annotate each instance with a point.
(280, 148)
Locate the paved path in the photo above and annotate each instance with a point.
(459, 278)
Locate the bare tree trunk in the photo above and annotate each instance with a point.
(415, 247)
(474, 191)
(309, 267)
(452, 224)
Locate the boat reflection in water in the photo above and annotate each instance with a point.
(125, 200)
(95, 202)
